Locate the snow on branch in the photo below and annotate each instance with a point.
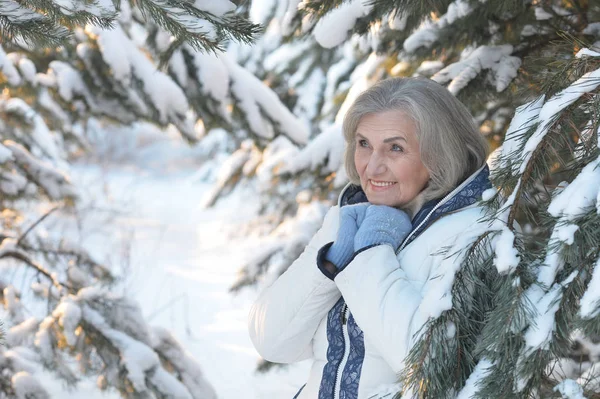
(255, 99)
(497, 59)
(54, 183)
(429, 32)
(333, 28)
(326, 149)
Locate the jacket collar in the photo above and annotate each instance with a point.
(466, 194)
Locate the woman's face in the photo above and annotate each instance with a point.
(387, 158)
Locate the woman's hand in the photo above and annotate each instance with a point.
(382, 225)
(351, 217)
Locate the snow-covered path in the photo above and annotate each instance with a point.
(178, 262)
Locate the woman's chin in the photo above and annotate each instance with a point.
(378, 200)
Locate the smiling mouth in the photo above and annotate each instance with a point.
(381, 183)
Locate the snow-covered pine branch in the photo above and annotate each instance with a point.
(204, 25)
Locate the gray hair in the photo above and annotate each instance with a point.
(450, 144)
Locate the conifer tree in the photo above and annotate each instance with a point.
(66, 68)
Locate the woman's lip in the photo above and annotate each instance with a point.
(380, 188)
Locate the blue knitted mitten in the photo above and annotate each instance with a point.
(382, 225)
(351, 216)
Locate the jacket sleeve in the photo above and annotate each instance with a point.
(285, 317)
(382, 300)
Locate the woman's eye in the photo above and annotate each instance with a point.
(363, 143)
(396, 147)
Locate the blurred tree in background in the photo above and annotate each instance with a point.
(68, 69)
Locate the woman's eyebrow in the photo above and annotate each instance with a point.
(358, 135)
(394, 139)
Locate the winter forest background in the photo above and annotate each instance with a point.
(163, 160)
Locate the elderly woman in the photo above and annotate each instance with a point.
(417, 167)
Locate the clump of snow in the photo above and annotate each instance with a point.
(326, 149)
(481, 370)
(397, 20)
(579, 196)
(429, 31)
(68, 314)
(569, 389)
(126, 59)
(506, 257)
(489, 194)
(588, 305)
(27, 386)
(588, 82)
(541, 14)
(20, 333)
(188, 370)
(214, 78)
(495, 58)
(429, 67)
(5, 154)
(333, 28)
(256, 99)
(215, 7)
(587, 52)
(8, 69)
(54, 182)
(45, 142)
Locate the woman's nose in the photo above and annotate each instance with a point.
(376, 165)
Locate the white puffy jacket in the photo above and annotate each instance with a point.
(358, 327)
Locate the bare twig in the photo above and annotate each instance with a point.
(31, 263)
(41, 219)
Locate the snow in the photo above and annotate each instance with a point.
(69, 315)
(586, 52)
(334, 27)
(215, 7)
(5, 154)
(115, 54)
(8, 69)
(397, 20)
(214, 78)
(540, 331)
(255, 98)
(578, 197)
(481, 370)
(26, 386)
(429, 31)
(260, 11)
(46, 146)
(570, 389)
(588, 82)
(326, 149)
(27, 68)
(53, 181)
(506, 257)
(525, 117)
(16, 13)
(429, 67)
(165, 95)
(437, 293)
(181, 267)
(69, 82)
(495, 58)
(588, 305)
(541, 14)
(99, 8)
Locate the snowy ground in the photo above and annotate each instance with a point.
(178, 261)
